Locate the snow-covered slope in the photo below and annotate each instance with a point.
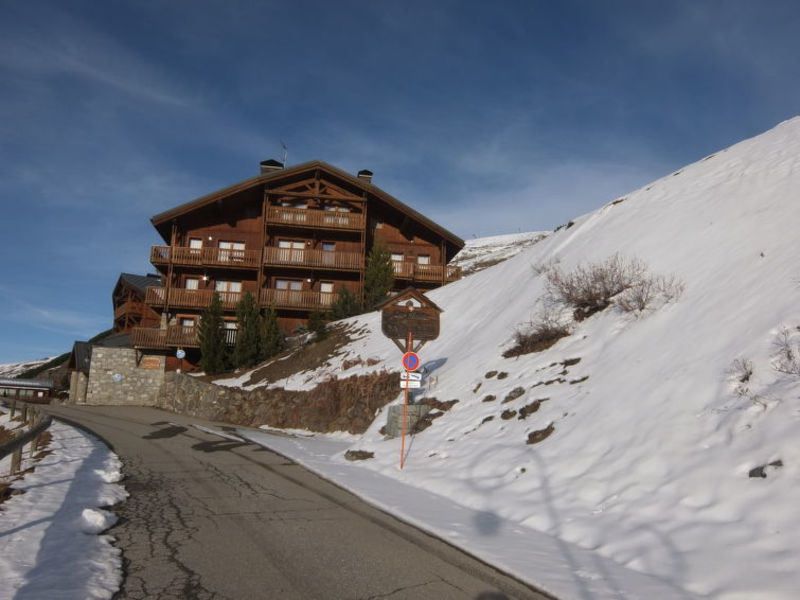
(10, 370)
(652, 444)
(481, 253)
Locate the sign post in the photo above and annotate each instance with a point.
(406, 318)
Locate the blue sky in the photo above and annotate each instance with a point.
(489, 117)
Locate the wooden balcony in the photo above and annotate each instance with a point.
(312, 259)
(314, 218)
(297, 299)
(174, 336)
(205, 257)
(433, 273)
(182, 298)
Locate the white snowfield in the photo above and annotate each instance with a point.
(643, 489)
(652, 445)
(49, 542)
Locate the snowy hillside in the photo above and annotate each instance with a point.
(10, 370)
(481, 253)
(664, 452)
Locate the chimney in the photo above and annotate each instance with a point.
(268, 166)
(365, 175)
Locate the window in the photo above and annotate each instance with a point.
(192, 283)
(289, 284)
(331, 208)
(397, 256)
(328, 253)
(326, 294)
(423, 259)
(231, 251)
(291, 251)
(289, 292)
(187, 321)
(223, 286)
(230, 328)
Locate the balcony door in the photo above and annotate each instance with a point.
(289, 292)
(229, 291)
(231, 251)
(326, 293)
(291, 251)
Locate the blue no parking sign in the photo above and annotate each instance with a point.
(411, 361)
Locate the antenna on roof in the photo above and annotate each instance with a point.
(285, 147)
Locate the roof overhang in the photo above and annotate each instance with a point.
(162, 221)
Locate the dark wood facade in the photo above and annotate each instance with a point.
(128, 299)
(293, 238)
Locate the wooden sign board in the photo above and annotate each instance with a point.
(410, 312)
(421, 323)
(150, 362)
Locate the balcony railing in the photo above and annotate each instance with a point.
(205, 257)
(182, 298)
(174, 336)
(322, 259)
(417, 272)
(314, 218)
(298, 299)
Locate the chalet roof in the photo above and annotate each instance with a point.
(408, 293)
(161, 221)
(80, 357)
(139, 282)
(37, 384)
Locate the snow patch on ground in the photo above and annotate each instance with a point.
(49, 542)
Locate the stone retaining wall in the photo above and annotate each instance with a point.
(115, 377)
(334, 405)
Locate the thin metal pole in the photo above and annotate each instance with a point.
(405, 410)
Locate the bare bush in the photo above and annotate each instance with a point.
(787, 358)
(590, 288)
(741, 370)
(649, 289)
(537, 335)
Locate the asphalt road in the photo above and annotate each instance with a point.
(209, 518)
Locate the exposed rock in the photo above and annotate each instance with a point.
(534, 437)
(358, 455)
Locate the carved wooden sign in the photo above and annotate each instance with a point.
(422, 323)
(150, 362)
(410, 312)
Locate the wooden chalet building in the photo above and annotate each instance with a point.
(293, 237)
(130, 309)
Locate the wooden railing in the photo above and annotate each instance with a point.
(38, 423)
(314, 218)
(324, 259)
(298, 299)
(418, 272)
(176, 336)
(183, 298)
(205, 257)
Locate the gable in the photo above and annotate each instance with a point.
(315, 179)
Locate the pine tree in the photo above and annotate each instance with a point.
(212, 338)
(246, 350)
(316, 325)
(379, 276)
(272, 340)
(345, 305)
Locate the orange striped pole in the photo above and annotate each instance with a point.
(409, 347)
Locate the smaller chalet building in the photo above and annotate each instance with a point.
(294, 238)
(128, 297)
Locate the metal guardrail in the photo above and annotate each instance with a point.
(33, 416)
